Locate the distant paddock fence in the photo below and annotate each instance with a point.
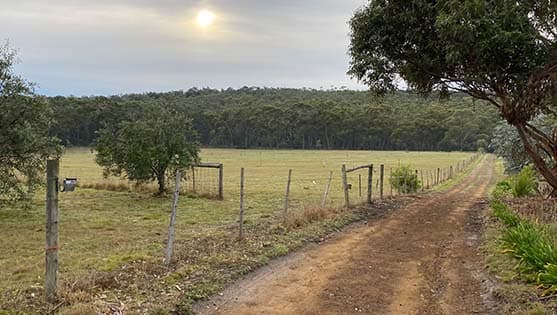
(206, 179)
(202, 179)
(352, 186)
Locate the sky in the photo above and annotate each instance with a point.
(105, 47)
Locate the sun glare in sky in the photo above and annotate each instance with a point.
(205, 18)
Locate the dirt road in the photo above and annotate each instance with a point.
(422, 259)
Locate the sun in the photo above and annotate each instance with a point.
(205, 18)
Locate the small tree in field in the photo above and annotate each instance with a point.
(25, 119)
(503, 52)
(145, 149)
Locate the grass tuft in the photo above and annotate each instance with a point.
(531, 244)
(525, 183)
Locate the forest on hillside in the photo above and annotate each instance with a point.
(293, 118)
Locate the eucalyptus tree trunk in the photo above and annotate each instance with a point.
(542, 145)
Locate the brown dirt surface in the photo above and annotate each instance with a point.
(424, 258)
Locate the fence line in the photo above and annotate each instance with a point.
(295, 193)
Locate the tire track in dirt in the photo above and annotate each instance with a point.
(422, 259)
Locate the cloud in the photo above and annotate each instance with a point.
(105, 47)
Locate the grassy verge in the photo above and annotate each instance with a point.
(522, 254)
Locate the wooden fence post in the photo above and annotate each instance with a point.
(193, 179)
(438, 176)
(422, 179)
(327, 187)
(443, 175)
(391, 180)
(369, 183)
(241, 234)
(287, 192)
(345, 186)
(172, 225)
(360, 185)
(221, 182)
(51, 272)
(381, 180)
(451, 172)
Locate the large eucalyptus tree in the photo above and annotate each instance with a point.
(503, 52)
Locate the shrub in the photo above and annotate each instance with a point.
(525, 183)
(405, 180)
(502, 189)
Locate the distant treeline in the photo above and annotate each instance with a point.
(294, 118)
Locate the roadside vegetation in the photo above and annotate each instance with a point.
(405, 180)
(522, 246)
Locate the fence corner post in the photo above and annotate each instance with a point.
(221, 182)
(345, 186)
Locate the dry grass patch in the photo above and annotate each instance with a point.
(309, 215)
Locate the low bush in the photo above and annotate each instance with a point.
(405, 180)
(525, 183)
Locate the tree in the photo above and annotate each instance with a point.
(502, 52)
(148, 145)
(268, 118)
(25, 119)
(506, 144)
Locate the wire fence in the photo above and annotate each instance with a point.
(250, 195)
(309, 187)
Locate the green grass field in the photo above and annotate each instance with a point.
(102, 230)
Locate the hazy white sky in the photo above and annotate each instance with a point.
(85, 47)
